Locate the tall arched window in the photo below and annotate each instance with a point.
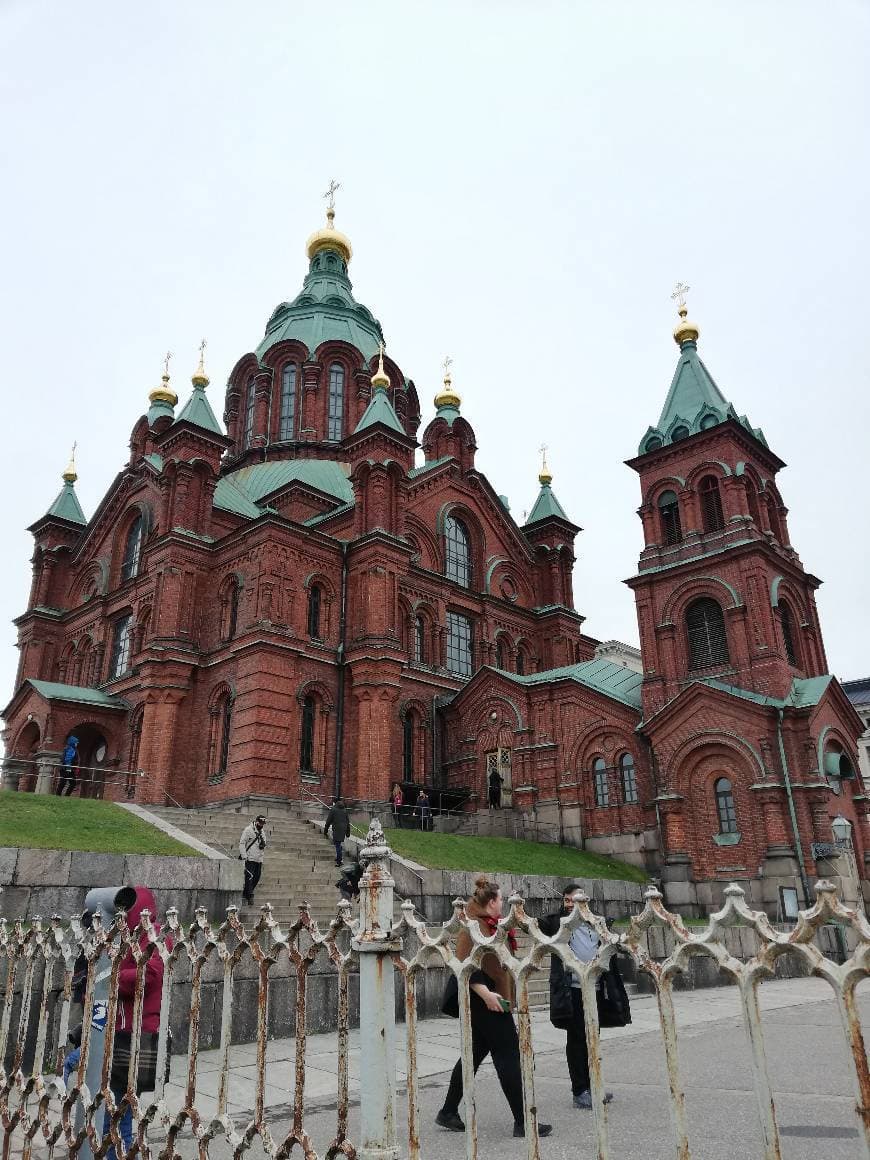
(457, 552)
(408, 747)
(132, 549)
(773, 519)
(122, 640)
(460, 655)
(788, 636)
(336, 402)
(226, 718)
(306, 749)
(725, 810)
(231, 618)
(705, 630)
(628, 778)
(287, 414)
(711, 504)
(314, 600)
(250, 402)
(600, 782)
(521, 662)
(419, 640)
(669, 514)
(500, 654)
(752, 503)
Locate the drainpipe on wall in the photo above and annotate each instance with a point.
(791, 810)
(339, 707)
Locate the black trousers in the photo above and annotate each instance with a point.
(253, 870)
(492, 1034)
(576, 1050)
(67, 781)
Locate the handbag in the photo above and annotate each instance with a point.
(450, 998)
(612, 999)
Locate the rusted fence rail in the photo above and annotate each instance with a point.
(84, 1116)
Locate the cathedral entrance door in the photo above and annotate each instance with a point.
(499, 761)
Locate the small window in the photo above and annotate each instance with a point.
(408, 747)
(680, 433)
(788, 636)
(600, 782)
(669, 514)
(725, 807)
(226, 725)
(711, 504)
(459, 645)
(653, 443)
(457, 552)
(773, 519)
(250, 403)
(499, 654)
(628, 779)
(419, 640)
(121, 647)
(521, 662)
(287, 417)
(314, 601)
(707, 639)
(232, 610)
(752, 504)
(132, 549)
(335, 423)
(306, 750)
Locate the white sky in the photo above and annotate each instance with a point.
(522, 183)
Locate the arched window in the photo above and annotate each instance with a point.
(725, 807)
(600, 782)
(250, 402)
(408, 747)
(711, 504)
(419, 640)
(679, 433)
(314, 600)
(121, 646)
(457, 552)
(231, 613)
(521, 662)
(752, 504)
(788, 636)
(336, 402)
(500, 654)
(705, 629)
(460, 654)
(306, 749)
(287, 414)
(132, 549)
(669, 514)
(773, 519)
(628, 778)
(226, 719)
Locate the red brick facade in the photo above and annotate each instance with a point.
(293, 622)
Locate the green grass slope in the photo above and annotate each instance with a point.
(507, 855)
(69, 823)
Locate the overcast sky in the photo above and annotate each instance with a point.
(523, 183)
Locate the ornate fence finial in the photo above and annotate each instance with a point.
(375, 843)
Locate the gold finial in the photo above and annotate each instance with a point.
(200, 378)
(447, 397)
(329, 237)
(164, 394)
(684, 331)
(71, 475)
(544, 475)
(380, 379)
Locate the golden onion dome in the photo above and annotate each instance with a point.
(380, 379)
(329, 238)
(685, 331)
(447, 396)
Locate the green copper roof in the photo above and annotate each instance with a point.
(197, 410)
(230, 498)
(694, 403)
(158, 410)
(602, 676)
(243, 491)
(380, 410)
(429, 466)
(325, 309)
(546, 506)
(54, 691)
(448, 414)
(805, 692)
(67, 506)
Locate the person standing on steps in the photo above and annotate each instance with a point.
(493, 1031)
(495, 783)
(337, 821)
(67, 782)
(252, 845)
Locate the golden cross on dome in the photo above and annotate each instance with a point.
(679, 294)
(202, 347)
(330, 193)
(447, 364)
(166, 359)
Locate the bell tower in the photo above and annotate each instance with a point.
(720, 591)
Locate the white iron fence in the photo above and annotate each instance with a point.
(83, 1118)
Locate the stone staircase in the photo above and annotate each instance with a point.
(299, 864)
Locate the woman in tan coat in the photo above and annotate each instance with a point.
(493, 1031)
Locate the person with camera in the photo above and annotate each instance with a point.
(252, 846)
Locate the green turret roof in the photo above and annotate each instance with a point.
(325, 309)
(694, 402)
(380, 410)
(197, 410)
(67, 506)
(245, 491)
(546, 506)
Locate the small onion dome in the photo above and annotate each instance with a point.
(685, 331)
(71, 475)
(447, 397)
(380, 379)
(199, 378)
(163, 394)
(329, 239)
(545, 476)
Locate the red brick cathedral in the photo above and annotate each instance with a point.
(298, 600)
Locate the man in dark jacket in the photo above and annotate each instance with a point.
(337, 821)
(566, 999)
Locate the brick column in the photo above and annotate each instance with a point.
(159, 725)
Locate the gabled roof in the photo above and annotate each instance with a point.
(430, 466)
(55, 691)
(197, 410)
(243, 491)
(805, 692)
(380, 410)
(546, 507)
(67, 506)
(605, 677)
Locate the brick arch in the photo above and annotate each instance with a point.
(598, 739)
(480, 715)
(318, 689)
(698, 586)
(833, 733)
(781, 587)
(474, 527)
(725, 741)
(415, 705)
(427, 541)
(321, 579)
(663, 483)
(713, 467)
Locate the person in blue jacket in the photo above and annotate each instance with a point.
(67, 781)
